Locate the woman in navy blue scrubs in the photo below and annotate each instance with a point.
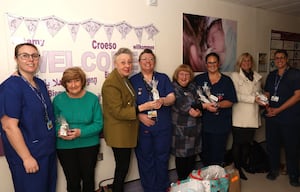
(217, 116)
(27, 125)
(155, 92)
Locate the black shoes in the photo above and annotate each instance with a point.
(272, 175)
(294, 181)
(242, 174)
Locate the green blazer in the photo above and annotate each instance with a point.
(119, 112)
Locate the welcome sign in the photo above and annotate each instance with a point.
(89, 44)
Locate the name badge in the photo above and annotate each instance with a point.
(152, 114)
(275, 98)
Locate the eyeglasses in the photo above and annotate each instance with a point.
(184, 74)
(26, 56)
(147, 59)
(279, 58)
(211, 63)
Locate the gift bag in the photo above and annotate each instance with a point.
(234, 178)
(187, 185)
(213, 178)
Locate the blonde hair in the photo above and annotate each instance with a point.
(242, 57)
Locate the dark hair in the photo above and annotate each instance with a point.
(282, 51)
(183, 67)
(147, 51)
(17, 48)
(71, 74)
(212, 54)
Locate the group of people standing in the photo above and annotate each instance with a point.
(188, 117)
(35, 131)
(137, 115)
(236, 108)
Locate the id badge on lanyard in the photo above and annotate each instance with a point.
(275, 98)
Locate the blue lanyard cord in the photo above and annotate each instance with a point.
(39, 94)
(277, 81)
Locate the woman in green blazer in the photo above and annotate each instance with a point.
(120, 120)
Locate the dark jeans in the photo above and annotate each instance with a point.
(79, 165)
(122, 159)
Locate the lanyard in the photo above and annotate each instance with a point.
(277, 81)
(38, 94)
(148, 86)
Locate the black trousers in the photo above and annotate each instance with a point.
(184, 166)
(214, 148)
(122, 160)
(280, 133)
(242, 138)
(79, 165)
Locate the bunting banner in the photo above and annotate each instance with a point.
(55, 24)
(89, 44)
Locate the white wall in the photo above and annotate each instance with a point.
(254, 27)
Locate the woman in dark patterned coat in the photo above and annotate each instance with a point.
(186, 121)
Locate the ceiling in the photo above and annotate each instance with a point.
(288, 7)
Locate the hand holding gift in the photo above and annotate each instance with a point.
(210, 101)
(154, 90)
(261, 99)
(64, 126)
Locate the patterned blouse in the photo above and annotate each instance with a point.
(186, 134)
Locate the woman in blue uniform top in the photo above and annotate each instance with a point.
(27, 123)
(155, 91)
(217, 114)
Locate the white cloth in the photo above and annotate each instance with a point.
(245, 113)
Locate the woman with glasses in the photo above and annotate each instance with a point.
(27, 125)
(154, 143)
(186, 121)
(220, 95)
